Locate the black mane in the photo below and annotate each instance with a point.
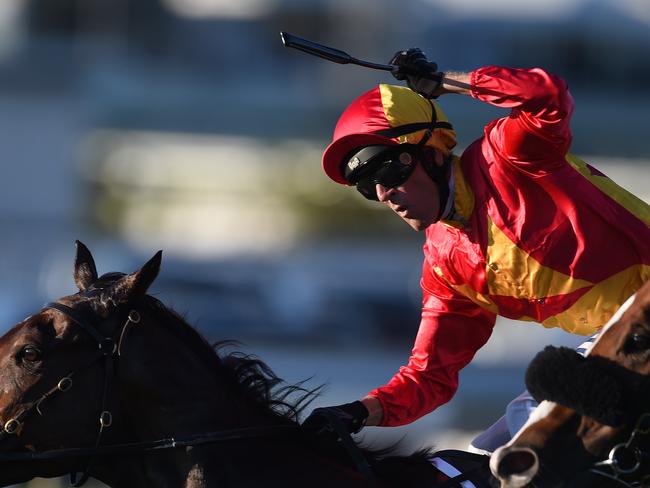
(248, 374)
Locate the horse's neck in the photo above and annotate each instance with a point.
(249, 462)
(182, 406)
(170, 392)
(187, 468)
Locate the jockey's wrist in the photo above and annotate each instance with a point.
(375, 410)
(464, 79)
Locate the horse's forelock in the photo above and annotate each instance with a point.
(105, 281)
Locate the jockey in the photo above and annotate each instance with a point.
(514, 226)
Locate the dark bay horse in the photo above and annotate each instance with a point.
(110, 383)
(594, 428)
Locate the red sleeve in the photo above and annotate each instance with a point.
(451, 330)
(537, 129)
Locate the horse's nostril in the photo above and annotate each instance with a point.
(516, 462)
(514, 466)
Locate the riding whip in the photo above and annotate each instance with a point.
(341, 57)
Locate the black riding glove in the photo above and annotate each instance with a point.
(350, 416)
(421, 75)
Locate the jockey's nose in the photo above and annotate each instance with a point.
(515, 467)
(383, 192)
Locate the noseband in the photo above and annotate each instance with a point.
(599, 388)
(594, 386)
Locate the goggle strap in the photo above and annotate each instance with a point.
(408, 128)
(425, 138)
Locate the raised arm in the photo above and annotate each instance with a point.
(537, 128)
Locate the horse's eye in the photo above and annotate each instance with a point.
(30, 354)
(637, 342)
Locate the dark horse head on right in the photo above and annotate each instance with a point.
(594, 427)
(111, 365)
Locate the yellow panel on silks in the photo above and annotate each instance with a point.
(593, 309)
(513, 272)
(528, 290)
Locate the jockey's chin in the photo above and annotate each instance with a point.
(418, 224)
(418, 221)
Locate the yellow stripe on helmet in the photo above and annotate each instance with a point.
(402, 106)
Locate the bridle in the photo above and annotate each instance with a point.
(627, 458)
(108, 351)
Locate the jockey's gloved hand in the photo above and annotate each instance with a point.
(326, 420)
(422, 76)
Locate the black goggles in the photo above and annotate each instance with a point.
(390, 166)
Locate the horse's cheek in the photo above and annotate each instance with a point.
(7, 386)
(598, 439)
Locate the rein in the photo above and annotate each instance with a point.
(157, 445)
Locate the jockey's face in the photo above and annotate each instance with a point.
(416, 201)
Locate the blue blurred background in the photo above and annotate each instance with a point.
(185, 125)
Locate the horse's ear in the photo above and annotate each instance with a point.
(85, 271)
(135, 285)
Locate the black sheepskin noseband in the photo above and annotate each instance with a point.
(593, 386)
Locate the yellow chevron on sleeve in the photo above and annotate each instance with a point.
(513, 272)
(627, 200)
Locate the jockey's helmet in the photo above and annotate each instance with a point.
(386, 115)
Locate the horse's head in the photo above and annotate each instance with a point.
(591, 405)
(111, 365)
(57, 369)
